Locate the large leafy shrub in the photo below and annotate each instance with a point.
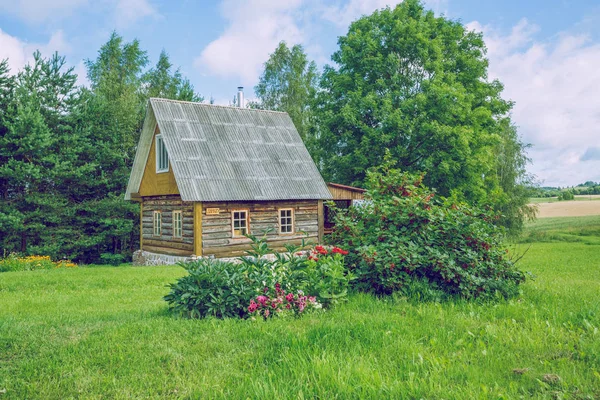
(228, 289)
(402, 234)
(212, 287)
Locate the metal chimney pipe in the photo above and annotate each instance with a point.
(240, 97)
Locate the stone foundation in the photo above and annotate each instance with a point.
(146, 258)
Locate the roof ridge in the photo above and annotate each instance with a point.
(214, 105)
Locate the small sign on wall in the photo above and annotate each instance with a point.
(212, 211)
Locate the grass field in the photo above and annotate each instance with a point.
(104, 332)
(564, 229)
(537, 200)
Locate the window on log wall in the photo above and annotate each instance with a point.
(157, 223)
(239, 223)
(177, 224)
(286, 220)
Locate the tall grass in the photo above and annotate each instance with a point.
(104, 332)
(564, 229)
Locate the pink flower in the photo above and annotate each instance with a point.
(262, 300)
(312, 299)
(288, 306)
(267, 313)
(252, 307)
(289, 297)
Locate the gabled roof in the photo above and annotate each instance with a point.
(228, 153)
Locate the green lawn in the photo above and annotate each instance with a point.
(105, 332)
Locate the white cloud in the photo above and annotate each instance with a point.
(255, 28)
(554, 85)
(20, 52)
(81, 71)
(343, 14)
(129, 11)
(35, 11)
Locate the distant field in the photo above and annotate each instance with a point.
(574, 208)
(537, 200)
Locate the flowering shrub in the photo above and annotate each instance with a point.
(226, 289)
(325, 275)
(31, 263)
(403, 235)
(279, 303)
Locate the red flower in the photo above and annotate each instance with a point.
(289, 297)
(339, 251)
(321, 250)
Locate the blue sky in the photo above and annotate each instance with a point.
(547, 53)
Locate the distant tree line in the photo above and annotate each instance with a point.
(587, 188)
(66, 151)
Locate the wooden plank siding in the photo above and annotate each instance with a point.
(217, 235)
(153, 183)
(343, 192)
(166, 243)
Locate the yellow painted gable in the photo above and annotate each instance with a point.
(155, 184)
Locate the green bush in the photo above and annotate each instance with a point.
(566, 195)
(216, 288)
(112, 259)
(226, 289)
(402, 234)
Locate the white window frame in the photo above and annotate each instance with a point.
(233, 219)
(291, 225)
(159, 144)
(157, 223)
(177, 224)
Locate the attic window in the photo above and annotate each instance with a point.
(162, 158)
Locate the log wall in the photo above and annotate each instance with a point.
(217, 236)
(166, 243)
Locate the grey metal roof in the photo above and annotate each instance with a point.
(227, 153)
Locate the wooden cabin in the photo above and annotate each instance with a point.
(207, 175)
(343, 197)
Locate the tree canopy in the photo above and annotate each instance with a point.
(66, 151)
(289, 83)
(415, 84)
